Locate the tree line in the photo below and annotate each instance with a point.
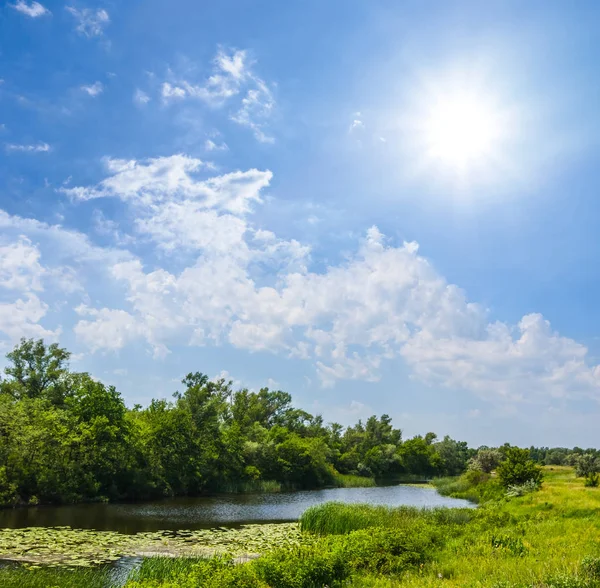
(66, 437)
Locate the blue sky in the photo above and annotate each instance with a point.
(380, 207)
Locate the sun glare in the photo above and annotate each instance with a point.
(461, 130)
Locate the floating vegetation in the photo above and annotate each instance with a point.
(64, 546)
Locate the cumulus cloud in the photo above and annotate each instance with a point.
(110, 329)
(21, 319)
(249, 288)
(31, 9)
(20, 267)
(21, 275)
(90, 23)
(94, 89)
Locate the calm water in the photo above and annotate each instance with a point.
(215, 511)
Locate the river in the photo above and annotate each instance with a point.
(215, 511)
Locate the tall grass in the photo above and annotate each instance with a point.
(251, 487)
(350, 481)
(337, 518)
(474, 486)
(20, 577)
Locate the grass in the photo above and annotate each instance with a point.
(19, 577)
(251, 487)
(547, 539)
(350, 481)
(335, 518)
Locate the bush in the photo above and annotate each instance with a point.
(518, 469)
(485, 461)
(301, 567)
(587, 464)
(592, 480)
(384, 551)
(522, 489)
(591, 567)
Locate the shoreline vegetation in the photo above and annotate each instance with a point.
(66, 437)
(546, 538)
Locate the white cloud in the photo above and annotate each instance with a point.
(20, 268)
(140, 97)
(37, 148)
(21, 319)
(65, 244)
(170, 92)
(32, 9)
(90, 23)
(94, 89)
(21, 273)
(210, 145)
(110, 329)
(164, 180)
(246, 286)
(232, 76)
(257, 107)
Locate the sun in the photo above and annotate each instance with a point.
(461, 129)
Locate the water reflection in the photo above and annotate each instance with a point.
(212, 511)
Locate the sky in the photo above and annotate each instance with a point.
(379, 207)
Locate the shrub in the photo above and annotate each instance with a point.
(592, 480)
(301, 567)
(587, 464)
(486, 460)
(513, 545)
(591, 567)
(384, 551)
(518, 468)
(522, 489)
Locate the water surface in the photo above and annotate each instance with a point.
(215, 511)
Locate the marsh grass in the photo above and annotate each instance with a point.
(21, 577)
(251, 487)
(336, 518)
(350, 481)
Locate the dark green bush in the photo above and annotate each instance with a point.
(518, 468)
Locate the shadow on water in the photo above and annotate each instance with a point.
(214, 511)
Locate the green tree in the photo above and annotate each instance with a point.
(486, 460)
(37, 371)
(518, 468)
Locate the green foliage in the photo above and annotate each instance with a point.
(65, 437)
(591, 567)
(301, 567)
(592, 480)
(486, 460)
(511, 544)
(586, 466)
(517, 468)
(21, 577)
(473, 485)
(522, 489)
(337, 518)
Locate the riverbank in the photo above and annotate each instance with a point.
(548, 539)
